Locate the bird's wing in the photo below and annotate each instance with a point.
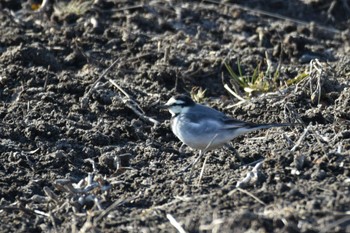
(212, 118)
(231, 123)
(200, 121)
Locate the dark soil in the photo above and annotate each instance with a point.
(76, 156)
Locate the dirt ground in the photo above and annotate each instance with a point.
(80, 154)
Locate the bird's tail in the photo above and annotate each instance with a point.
(250, 127)
(270, 125)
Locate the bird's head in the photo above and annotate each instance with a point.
(179, 104)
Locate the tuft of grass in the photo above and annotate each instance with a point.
(198, 94)
(257, 82)
(78, 7)
(261, 81)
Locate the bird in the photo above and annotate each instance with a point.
(204, 128)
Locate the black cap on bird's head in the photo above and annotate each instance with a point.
(178, 104)
(180, 100)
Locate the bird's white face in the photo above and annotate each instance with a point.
(176, 106)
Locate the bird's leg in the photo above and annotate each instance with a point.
(201, 153)
(194, 162)
(235, 152)
(206, 158)
(202, 170)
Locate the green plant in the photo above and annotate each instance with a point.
(297, 79)
(259, 81)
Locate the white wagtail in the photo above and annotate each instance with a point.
(204, 128)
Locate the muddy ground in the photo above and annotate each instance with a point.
(79, 154)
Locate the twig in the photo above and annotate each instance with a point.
(92, 162)
(317, 137)
(52, 196)
(52, 219)
(84, 99)
(175, 223)
(301, 138)
(42, 213)
(248, 193)
(334, 224)
(234, 93)
(119, 88)
(130, 103)
(253, 163)
(109, 209)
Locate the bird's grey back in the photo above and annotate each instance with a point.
(201, 113)
(206, 111)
